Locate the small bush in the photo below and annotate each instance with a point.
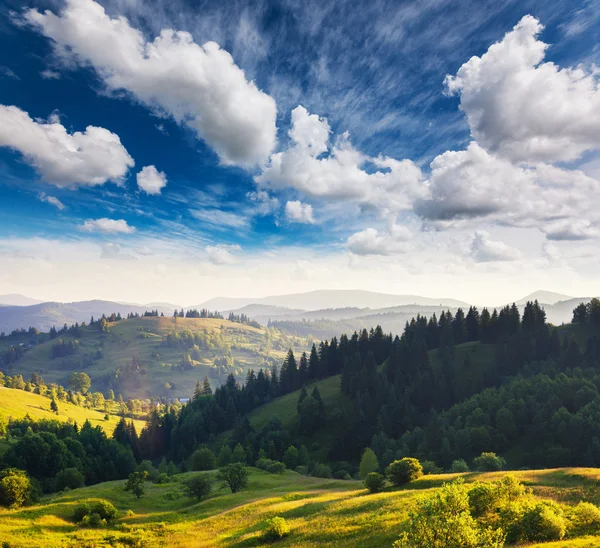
(302, 470)
(105, 510)
(15, 488)
(275, 529)
(404, 471)
(162, 478)
(482, 498)
(586, 518)
(198, 487)
(203, 459)
(342, 475)
(430, 467)
(489, 462)
(544, 522)
(459, 466)
(93, 520)
(374, 482)
(81, 510)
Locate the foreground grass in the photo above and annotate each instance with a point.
(320, 512)
(18, 403)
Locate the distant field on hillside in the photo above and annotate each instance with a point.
(18, 403)
(320, 512)
(144, 339)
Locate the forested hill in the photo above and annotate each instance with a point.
(402, 394)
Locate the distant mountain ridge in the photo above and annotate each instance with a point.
(15, 299)
(331, 298)
(329, 305)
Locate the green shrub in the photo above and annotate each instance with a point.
(430, 467)
(443, 520)
(93, 520)
(15, 488)
(275, 529)
(198, 486)
(69, 478)
(322, 471)
(302, 470)
(105, 510)
(404, 471)
(162, 478)
(482, 498)
(374, 482)
(80, 511)
(203, 459)
(489, 462)
(290, 457)
(543, 522)
(459, 466)
(342, 475)
(586, 518)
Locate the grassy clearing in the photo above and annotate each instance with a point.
(18, 403)
(320, 512)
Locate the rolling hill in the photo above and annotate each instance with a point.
(18, 403)
(233, 346)
(320, 512)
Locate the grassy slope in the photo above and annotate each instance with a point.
(18, 403)
(124, 341)
(320, 512)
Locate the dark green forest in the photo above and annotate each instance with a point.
(447, 388)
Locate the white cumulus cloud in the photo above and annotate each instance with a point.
(371, 241)
(198, 85)
(107, 226)
(483, 249)
(64, 159)
(150, 180)
(298, 212)
(341, 173)
(524, 109)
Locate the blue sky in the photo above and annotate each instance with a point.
(288, 146)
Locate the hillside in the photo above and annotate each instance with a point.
(158, 369)
(320, 512)
(18, 403)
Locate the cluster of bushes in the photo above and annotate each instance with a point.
(491, 514)
(98, 514)
(272, 466)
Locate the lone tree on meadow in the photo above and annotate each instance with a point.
(135, 483)
(235, 476)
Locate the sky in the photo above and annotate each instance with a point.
(178, 151)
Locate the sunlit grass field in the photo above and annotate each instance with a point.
(320, 512)
(18, 403)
